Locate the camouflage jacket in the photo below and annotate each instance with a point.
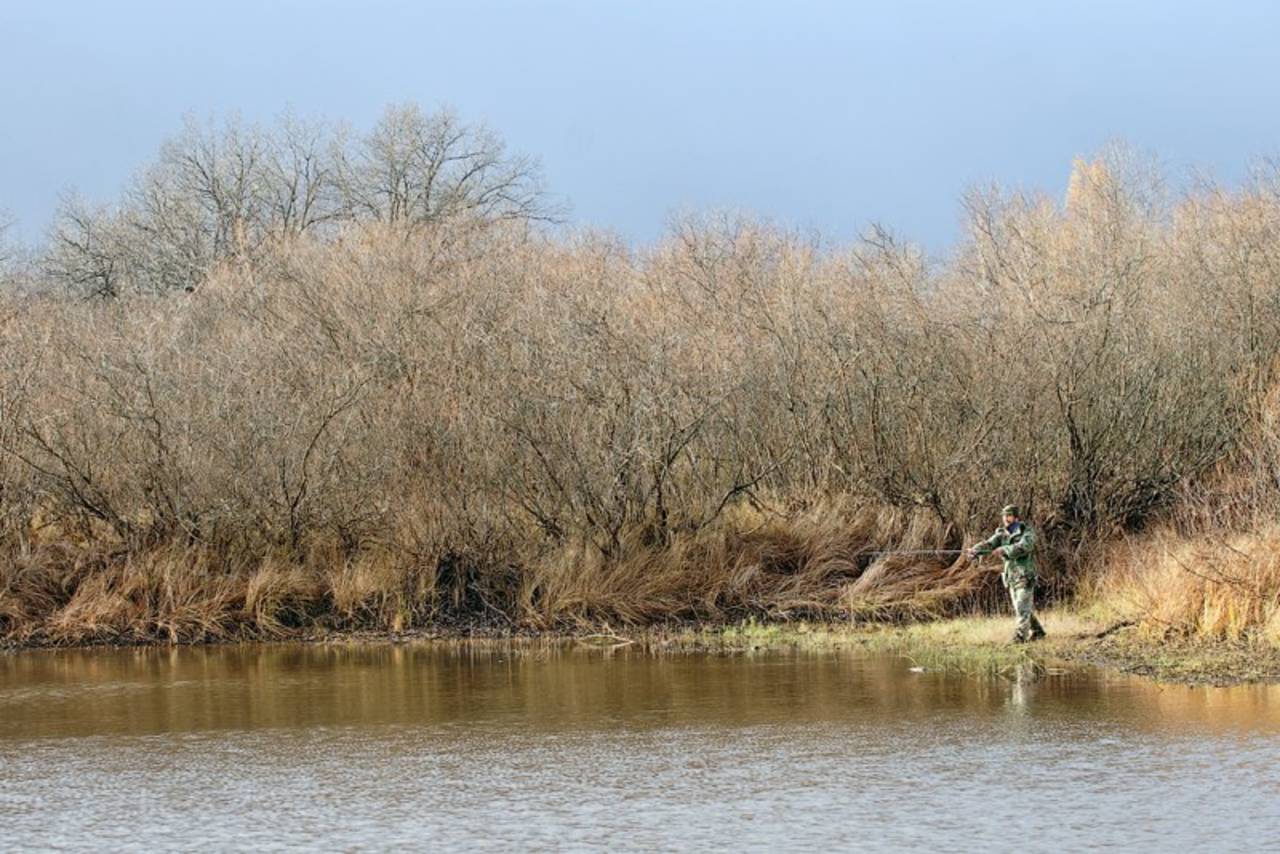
(1019, 550)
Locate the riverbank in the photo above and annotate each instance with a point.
(974, 645)
(980, 645)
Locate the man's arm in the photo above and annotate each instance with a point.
(987, 546)
(1025, 546)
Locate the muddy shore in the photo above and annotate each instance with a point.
(976, 645)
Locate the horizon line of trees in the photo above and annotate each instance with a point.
(227, 189)
(222, 190)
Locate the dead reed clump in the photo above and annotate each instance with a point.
(281, 599)
(1206, 587)
(824, 561)
(177, 595)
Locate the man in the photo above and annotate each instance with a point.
(1015, 544)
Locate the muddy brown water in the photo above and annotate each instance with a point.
(485, 747)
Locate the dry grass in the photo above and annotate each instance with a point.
(818, 562)
(970, 644)
(1209, 587)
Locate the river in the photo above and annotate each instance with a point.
(488, 747)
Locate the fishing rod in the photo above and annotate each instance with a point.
(915, 552)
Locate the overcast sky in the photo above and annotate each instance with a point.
(815, 114)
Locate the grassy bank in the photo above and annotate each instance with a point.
(979, 645)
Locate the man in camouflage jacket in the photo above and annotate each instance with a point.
(1015, 544)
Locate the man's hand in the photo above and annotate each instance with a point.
(998, 552)
(972, 554)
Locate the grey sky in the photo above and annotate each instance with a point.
(817, 114)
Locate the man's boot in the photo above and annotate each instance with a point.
(1037, 630)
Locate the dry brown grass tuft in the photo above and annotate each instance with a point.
(821, 561)
(174, 594)
(1212, 587)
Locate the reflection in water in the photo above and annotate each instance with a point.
(382, 745)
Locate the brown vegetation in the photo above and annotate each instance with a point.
(387, 424)
(1206, 586)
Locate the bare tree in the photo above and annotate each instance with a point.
(8, 251)
(203, 198)
(86, 251)
(299, 185)
(416, 167)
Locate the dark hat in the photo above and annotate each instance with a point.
(1011, 510)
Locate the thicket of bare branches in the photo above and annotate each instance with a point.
(484, 422)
